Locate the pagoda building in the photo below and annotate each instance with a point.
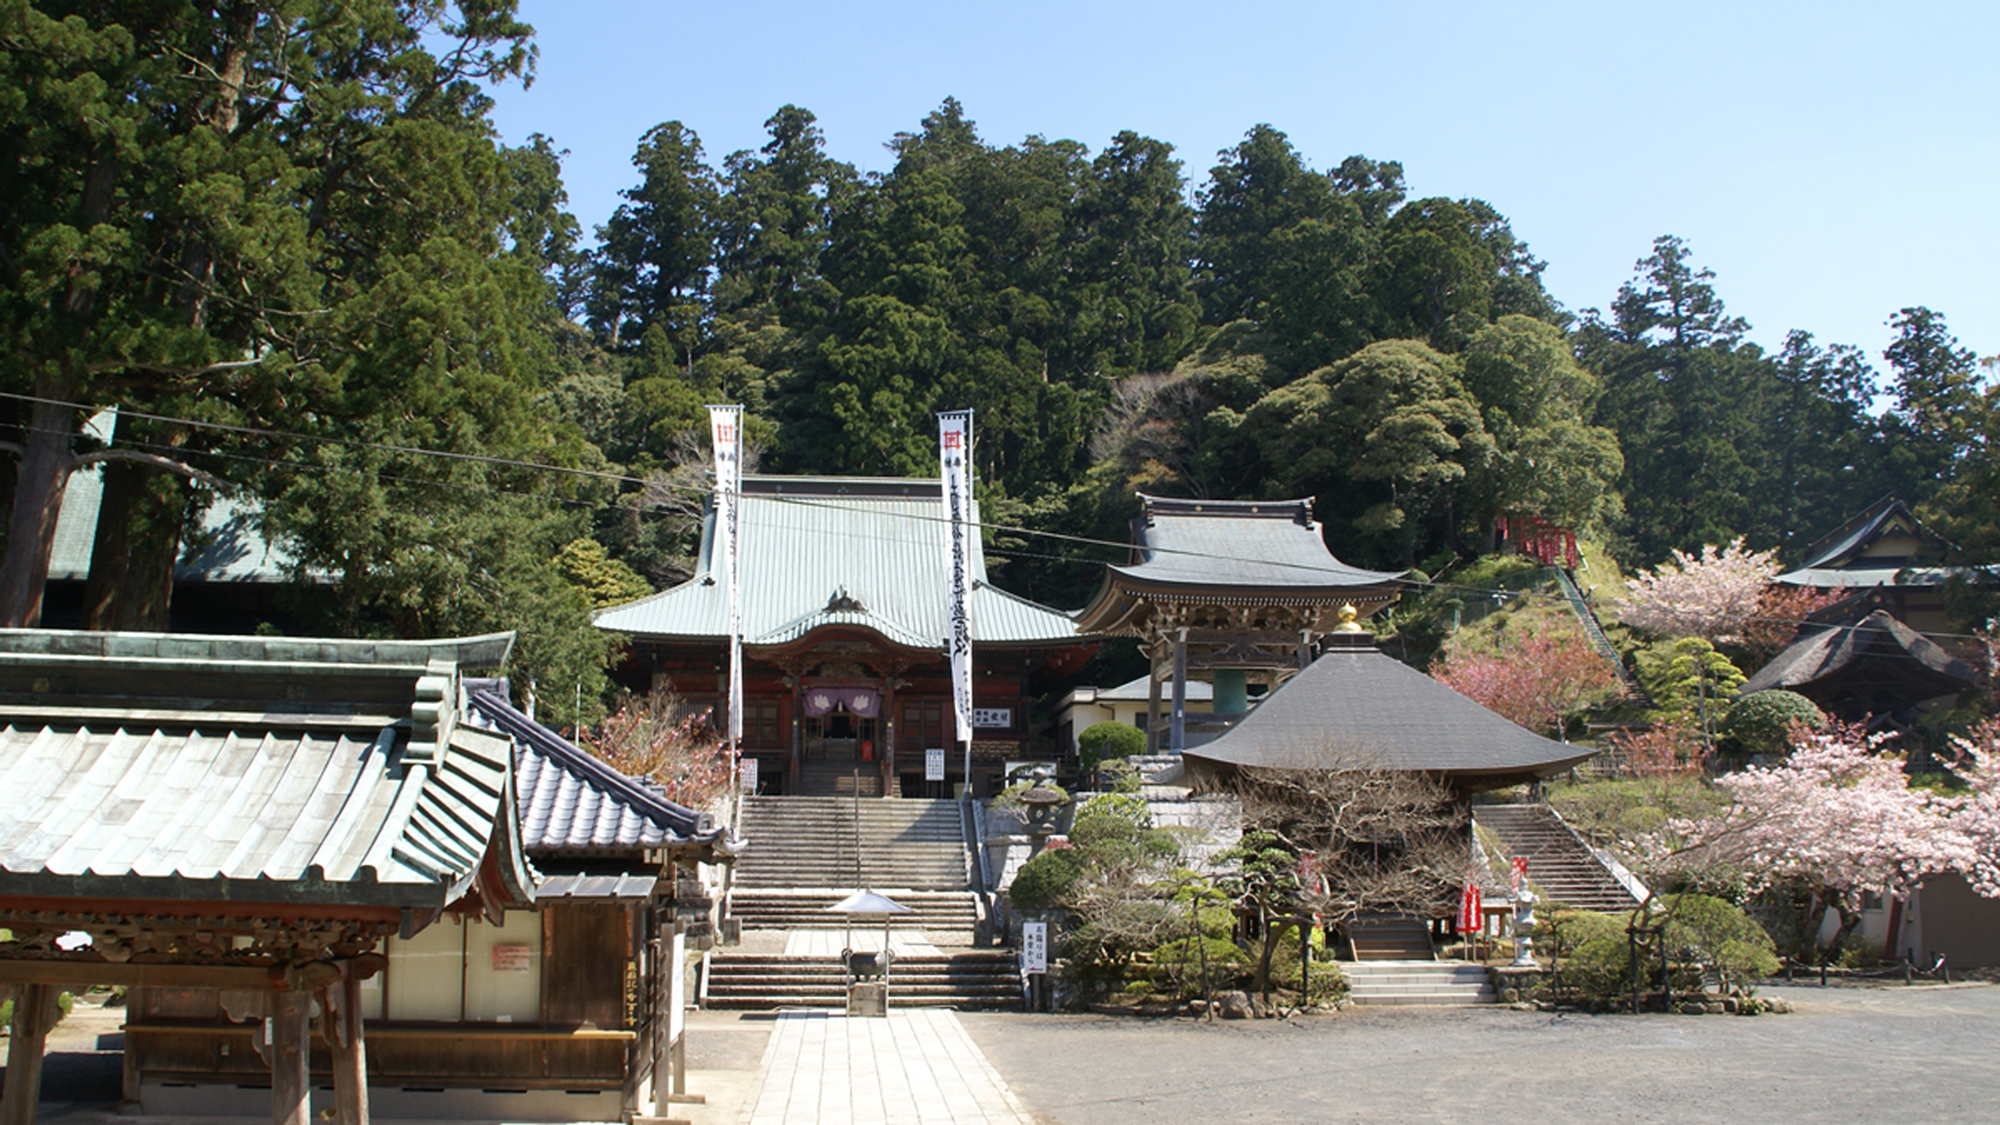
(1232, 593)
(844, 619)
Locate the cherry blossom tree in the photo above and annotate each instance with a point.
(662, 739)
(1780, 612)
(1536, 679)
(1976, 814)
(1711, 595)
(1838, 815)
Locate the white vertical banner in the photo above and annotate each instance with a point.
(725, 424)
(955, 460)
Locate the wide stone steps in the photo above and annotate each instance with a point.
(957, 980)
(1415, 983)
(1390, 939)
(1559, 864)
(804, 908)
(815, 841)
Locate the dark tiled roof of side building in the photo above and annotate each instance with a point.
(572, 804)
(1356, 708)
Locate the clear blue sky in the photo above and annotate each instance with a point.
(1831, 162)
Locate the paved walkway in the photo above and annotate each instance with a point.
(914, 1068)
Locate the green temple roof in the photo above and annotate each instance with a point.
(832, 551)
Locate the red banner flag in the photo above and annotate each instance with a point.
(1468, 910)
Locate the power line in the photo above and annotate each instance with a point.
(1304, 569)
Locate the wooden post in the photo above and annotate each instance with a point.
(886, 727)
(798, 731)
(350, 1050)
(644, 1019)
(1152, 703)
(1179, 735)
(34, 1015)
(291, 1084)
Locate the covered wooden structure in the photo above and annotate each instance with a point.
(1356, 708)
(1231, 592)
(621, 901)
(1877, 670)
(844, 623)
(237, 828)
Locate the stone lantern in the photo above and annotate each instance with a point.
(1040, 805)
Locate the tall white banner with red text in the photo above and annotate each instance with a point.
(955, 462)
(725, 424)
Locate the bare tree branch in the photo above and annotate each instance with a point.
(164, 464)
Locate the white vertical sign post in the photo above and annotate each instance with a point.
(1034, 947)
(725, 425)
(955, 459)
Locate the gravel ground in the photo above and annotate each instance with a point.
(1914, 1056)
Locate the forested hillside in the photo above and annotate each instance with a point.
(287, 245)
(1265, 328)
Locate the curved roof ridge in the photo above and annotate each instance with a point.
(674, 819)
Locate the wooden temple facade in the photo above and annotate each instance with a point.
(1233, 593)
(310, 862)
(844, 621)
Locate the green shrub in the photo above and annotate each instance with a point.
(1762, 723)
(1101, 742)
(1176, 966)
(1128, 807)
(1042, 882)
(1702, 935)
(1716, 934)
(1009, 799)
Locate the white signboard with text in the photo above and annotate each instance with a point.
(1034, 947)
(934, 764)
(993, 718)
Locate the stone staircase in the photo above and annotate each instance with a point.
(945, 915)
(840, 778)
(1433, 983)
(811, 842)
(1561, 867)
(1390, 938)
(803, 854)
(962, 978)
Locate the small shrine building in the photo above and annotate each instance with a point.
(1233, 593)
(844, 619)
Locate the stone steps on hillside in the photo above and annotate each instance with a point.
(1417, 983)
(1560, 865)
(962, 980)
(841, 842)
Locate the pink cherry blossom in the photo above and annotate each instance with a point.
(1711, 595)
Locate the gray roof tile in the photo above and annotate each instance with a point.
(1356, 708)
(571, 803)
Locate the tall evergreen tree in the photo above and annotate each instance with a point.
(653, 264)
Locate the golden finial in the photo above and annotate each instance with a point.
(1347, 623)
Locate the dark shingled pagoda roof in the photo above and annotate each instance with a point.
(1355, 708)
(1257, 544)
(1864, 664)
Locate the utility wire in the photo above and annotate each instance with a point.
(1303, 568)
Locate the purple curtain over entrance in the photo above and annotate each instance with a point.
(864, 702)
